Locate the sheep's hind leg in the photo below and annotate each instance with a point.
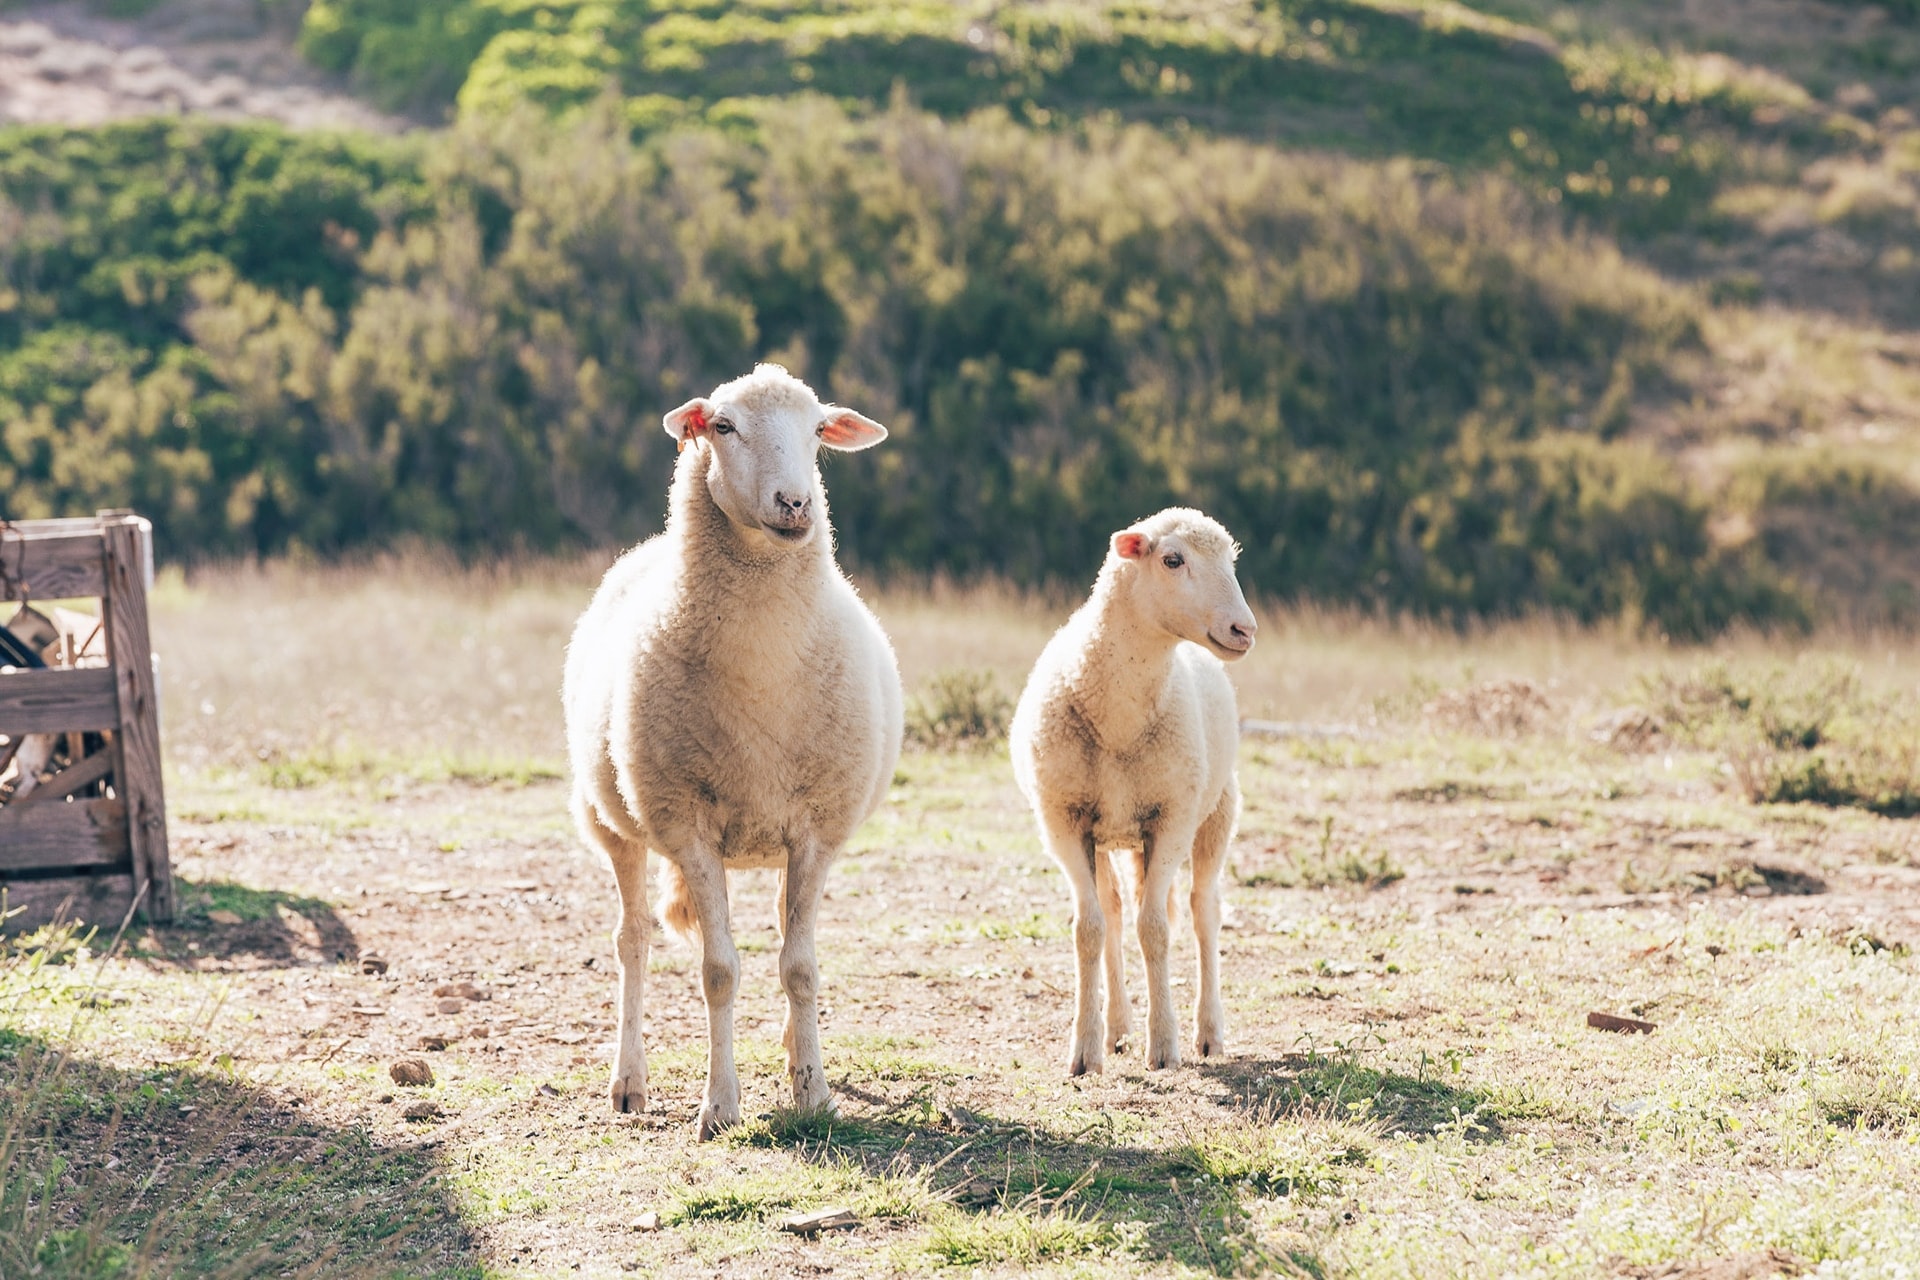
(801, 883)
(631, 939)
(1209, 852)
(1119, 1013)
(1074, 851)
(706, 882)
(1163, 1024)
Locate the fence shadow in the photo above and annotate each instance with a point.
(106, 1171)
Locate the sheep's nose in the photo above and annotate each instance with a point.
(1244, 630)
(795, 506)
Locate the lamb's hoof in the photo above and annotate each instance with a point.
(1117, 1042)
(1086, 1064)
(629, 1093)
(716, 1119)
(1210, 1045)
(1163, 1057)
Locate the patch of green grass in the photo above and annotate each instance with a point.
(196, 899)
(298, 770)
(1298, 1153)
(1020, 1237)
(1326, 865)
(804, 1127)
(748, 1198)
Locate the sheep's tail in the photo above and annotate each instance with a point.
(676, 904)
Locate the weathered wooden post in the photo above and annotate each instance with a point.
(90, 842)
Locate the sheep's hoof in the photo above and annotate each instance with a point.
(716, 1119)
(629, 1093)
(1164, 1058)
(1213, 1045)
(818, 1099)
(1118, 1043)
(1086, 1064)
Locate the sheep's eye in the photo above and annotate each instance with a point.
(1173, 560)
(722, 427)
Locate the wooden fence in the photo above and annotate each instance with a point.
(90, 842)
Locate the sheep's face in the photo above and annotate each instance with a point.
(1182, 581)
(760, 435)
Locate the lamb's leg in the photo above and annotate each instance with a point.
(1074, 851)
(1119, 1014)
(719, 977)
(1163, 1024)
(631, 938)
(1209, 852)
(801, 883)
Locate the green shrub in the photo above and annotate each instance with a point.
(959, 709)
(1393, 387)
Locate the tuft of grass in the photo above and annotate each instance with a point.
(959, 708)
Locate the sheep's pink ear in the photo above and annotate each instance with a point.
(847, 431)
(1131, 544)
(689, 421)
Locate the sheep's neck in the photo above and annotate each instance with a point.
(1124, 676)
(732, 587)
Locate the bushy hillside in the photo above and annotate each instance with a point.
(1543, 317)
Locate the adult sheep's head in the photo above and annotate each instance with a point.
(760, 435)
(1177, 568)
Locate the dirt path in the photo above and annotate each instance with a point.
(223, 59)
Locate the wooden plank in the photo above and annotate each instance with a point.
(128, 553)
(102, 901)
(54, 701)
(74, 777)
(79, 833)
(55, 565)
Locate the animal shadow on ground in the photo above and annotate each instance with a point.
(1189, 1193)
(1340, 1084)
(248, 927)
(188, 1171)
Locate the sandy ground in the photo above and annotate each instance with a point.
(224, 59)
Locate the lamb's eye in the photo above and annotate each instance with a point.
(722, 427)
(1173, 560)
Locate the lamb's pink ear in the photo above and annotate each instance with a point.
(1131, 544)
(689, 421)
(847, 431)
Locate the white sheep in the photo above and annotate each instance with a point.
(1124, 740)
(731, 703)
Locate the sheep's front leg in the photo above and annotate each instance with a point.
(805, 877)
(706, 881)
(1162, 858)
(1119, 1015)
(1074, 851)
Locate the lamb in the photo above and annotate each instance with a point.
(1124, 739)
(731, 703)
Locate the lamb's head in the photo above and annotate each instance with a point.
(1177, 568)
(760, 435)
